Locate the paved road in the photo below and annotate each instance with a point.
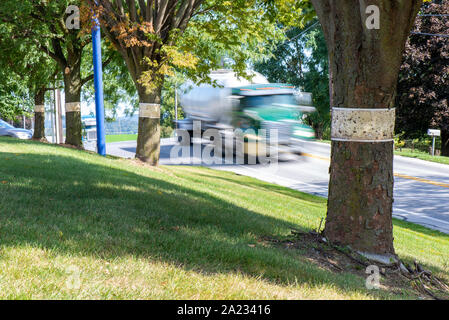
(421, 188)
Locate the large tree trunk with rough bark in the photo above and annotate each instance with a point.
(72, 89)
(364, 63)
(39, 115)
(148, 139)
(149, 134)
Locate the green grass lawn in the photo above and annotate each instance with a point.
(120, 137)
(74, 225)
(405, 152)
(421, 155)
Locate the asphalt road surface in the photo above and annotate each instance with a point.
(421, 192)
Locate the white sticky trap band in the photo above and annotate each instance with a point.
(149, 110)
(39, 108)
(73, 107)
(363, 125)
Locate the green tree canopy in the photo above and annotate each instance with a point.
(24, 72)
(302, 60)
(423, 88)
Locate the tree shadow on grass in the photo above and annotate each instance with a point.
(270, 187)
(79, 207)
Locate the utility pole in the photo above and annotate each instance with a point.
(55, 118)
(98, 83)
(53, 130)
(59, 116)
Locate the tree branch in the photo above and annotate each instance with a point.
(51, 54)
(132, 10)
(91, 76)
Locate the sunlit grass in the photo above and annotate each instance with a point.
(120, 137)
(127, 231)
(406, 152)
(421, 155)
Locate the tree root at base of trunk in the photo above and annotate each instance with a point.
(420, 279)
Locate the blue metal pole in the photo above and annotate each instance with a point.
(98, 83)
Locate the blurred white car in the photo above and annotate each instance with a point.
(8, 130)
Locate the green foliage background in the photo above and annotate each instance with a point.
(302, 60)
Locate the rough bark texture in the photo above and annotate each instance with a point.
(364, 65)
(148, 139)
(72, 87)
(361, 196)
(39, 117)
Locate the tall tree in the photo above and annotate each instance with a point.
(43, 23)
(13, 91)
(14, 99)
(139, 30)
(366, 42)
(423, 88)
(156, 36)
(30, 71)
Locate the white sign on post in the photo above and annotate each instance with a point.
(434, 133)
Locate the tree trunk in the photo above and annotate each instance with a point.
(364, 64)
(445, 143)
(148, 139)
(72, 89)
(361, 196)
(39, 116)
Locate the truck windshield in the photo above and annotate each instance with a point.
(261, 101)
(5, 125)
